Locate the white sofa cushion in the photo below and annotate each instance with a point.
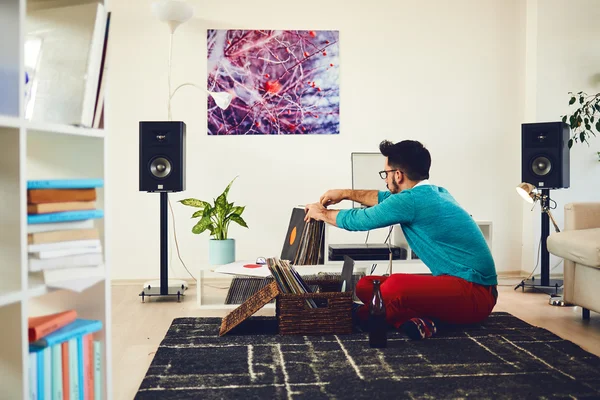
(581, 246)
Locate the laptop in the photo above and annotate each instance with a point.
(346, 276)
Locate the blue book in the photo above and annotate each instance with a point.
(36, 373)
(57, 378)
(77, 328)
(80, 367)
(65, 183)
(64, 216)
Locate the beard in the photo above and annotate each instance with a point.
(395, 188)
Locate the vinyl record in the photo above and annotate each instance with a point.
(294, 234)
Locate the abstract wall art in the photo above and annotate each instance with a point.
(282, 82)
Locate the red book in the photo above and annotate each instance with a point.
(65, 370)
(46, 324)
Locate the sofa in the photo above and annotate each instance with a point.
(579, 245)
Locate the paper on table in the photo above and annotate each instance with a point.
(247, 268)
(76, 285)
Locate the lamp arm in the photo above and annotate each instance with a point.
(552, 219)
(187, 84)
(169, 75)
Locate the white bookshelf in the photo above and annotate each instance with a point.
(40, 150)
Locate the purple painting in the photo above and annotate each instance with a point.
(282, 82)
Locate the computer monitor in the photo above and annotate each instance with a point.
(365, 172)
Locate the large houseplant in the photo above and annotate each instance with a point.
(216, 218)
(585, 118)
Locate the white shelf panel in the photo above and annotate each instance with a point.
(7, 298)
(9, 122)
(44, 4)
(38, 288)
(41, 127)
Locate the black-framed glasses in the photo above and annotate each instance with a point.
(383, 174)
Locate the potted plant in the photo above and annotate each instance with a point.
(585, 119)
(216, 218)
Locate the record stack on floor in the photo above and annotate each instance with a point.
(63, 243)
(242, 287)
(64, 357)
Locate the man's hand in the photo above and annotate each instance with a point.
(314, 211)
(333, 197)
(317, 212)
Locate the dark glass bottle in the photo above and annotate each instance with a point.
(377, 322)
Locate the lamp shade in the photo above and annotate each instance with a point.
(222, 99)
(527, 191)
(173, 12)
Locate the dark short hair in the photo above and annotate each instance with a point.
(409, 156)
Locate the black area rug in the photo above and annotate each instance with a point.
(503, 357)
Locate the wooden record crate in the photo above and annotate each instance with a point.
(333, 316)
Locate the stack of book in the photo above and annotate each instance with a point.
(62, 238)
(64, 357)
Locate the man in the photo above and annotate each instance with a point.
(462, 287)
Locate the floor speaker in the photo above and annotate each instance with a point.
(545, 155)
(162, 156)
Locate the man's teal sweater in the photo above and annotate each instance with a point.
(436, 227)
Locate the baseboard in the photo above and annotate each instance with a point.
(140, 282)
(191, 282)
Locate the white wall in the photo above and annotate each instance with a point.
(567, 58)
(450, 74)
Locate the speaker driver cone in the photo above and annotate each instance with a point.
(160, 167)
(541, 166)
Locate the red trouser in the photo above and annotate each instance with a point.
(446, 298)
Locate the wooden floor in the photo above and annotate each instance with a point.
(138, 328)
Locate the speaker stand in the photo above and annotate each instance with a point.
(164, 287)
(544, 284)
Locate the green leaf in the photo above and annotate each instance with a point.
(193, 203)
(564, 118)
(238, 210)
(597, 107)
(598, 126)
(198, 213)
(581, 100)
(572, 101)
(227, 188)
(588, 127)
(582, 136)
(208, 211)
(592, 119)
(201, 226)
(236, 218)
(586, 120)
(220, 209)
(573, 122)
(570, 143)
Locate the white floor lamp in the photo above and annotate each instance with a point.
(174, 13)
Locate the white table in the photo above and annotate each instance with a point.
(206, 272)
